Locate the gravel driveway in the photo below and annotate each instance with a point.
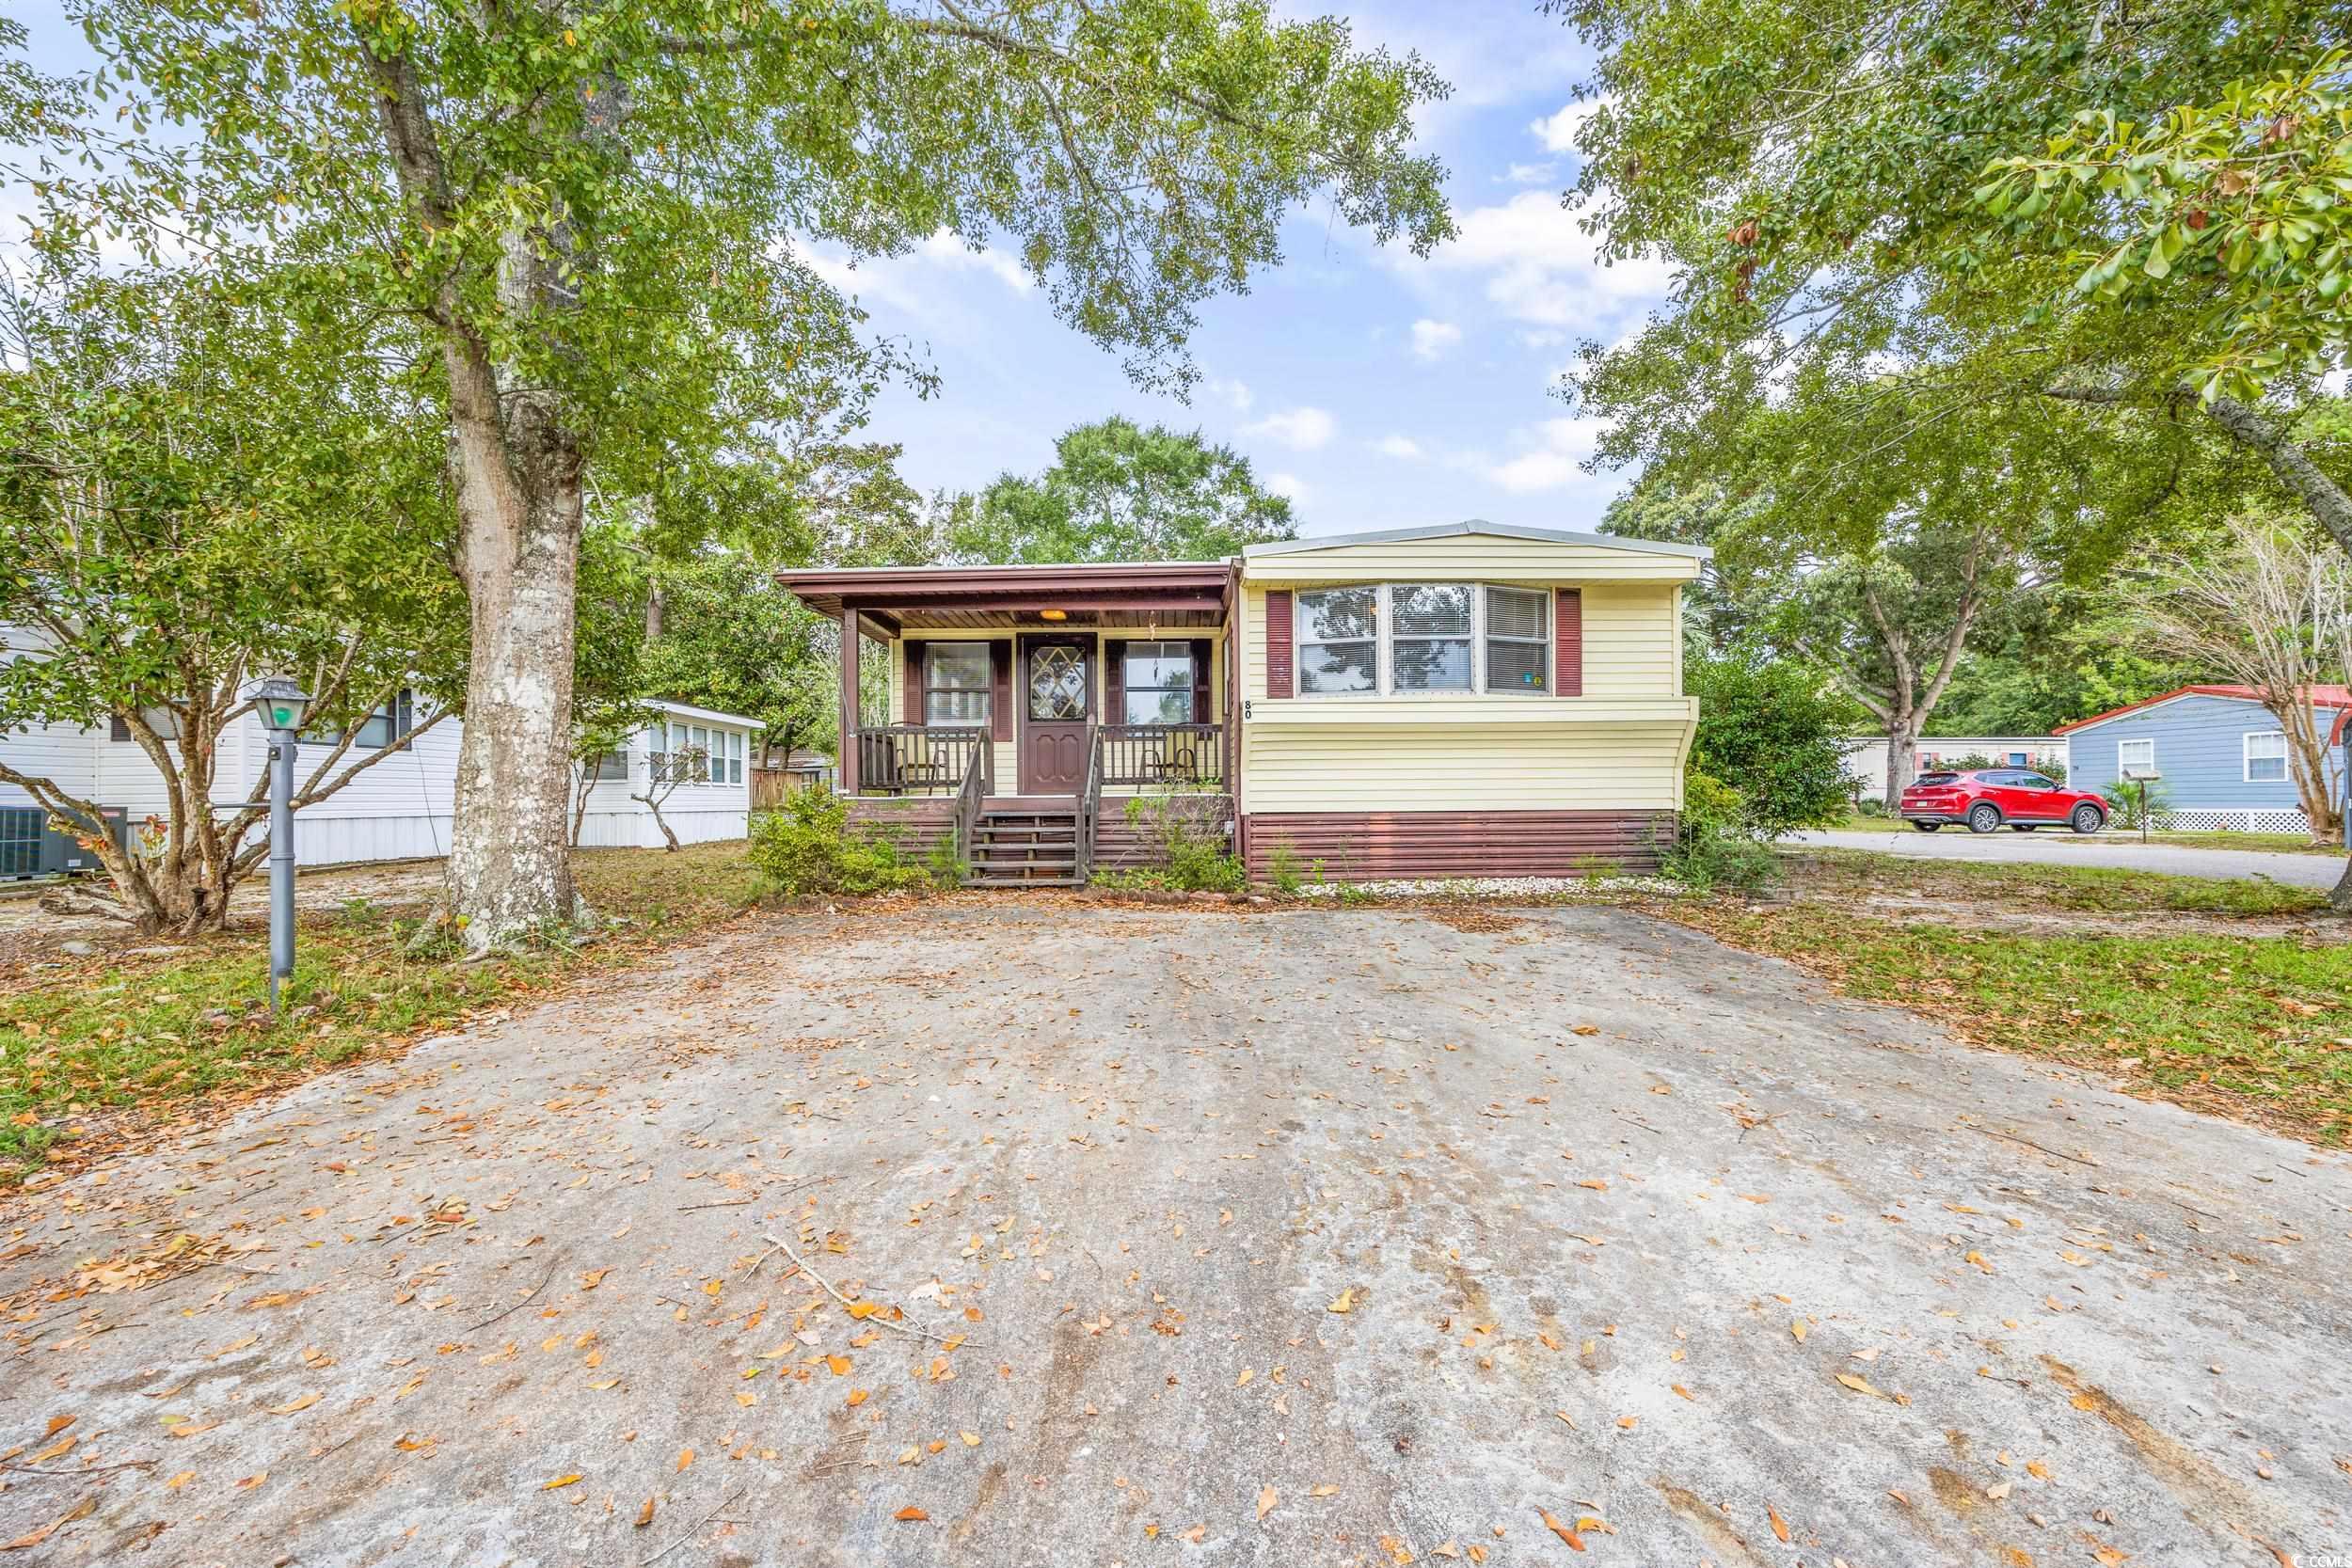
(2117, 850)
(1343, 1236)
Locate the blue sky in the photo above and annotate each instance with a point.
(1374, 388)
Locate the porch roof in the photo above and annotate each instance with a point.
(1172, 592)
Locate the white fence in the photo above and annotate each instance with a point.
(2243, 819)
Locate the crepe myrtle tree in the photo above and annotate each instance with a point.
(591, 211)
(193, 495)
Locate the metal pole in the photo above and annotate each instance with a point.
(281, 861)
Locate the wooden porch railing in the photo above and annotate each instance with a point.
(968, 800)
(916, 759)
(1170, 754)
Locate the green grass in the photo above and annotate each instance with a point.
(2029, 887)
(112, 1033)
(2254, 1025)
(2288, 844)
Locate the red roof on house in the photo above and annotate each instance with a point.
(2338, 697)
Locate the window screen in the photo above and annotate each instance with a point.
(1158, 682)
(1518, 640)
(956, 683)
(1429, 636)
(2136, 756)
(1339, 640)
(2266, 759)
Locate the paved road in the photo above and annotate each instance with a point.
(2048, 848)
(1220, 1238)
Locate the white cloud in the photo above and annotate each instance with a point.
(1547, 459)
(1299, 429)
(1558, 132)
(1235, 393)
(894, 280)
(1528, 174)
(1431, 339)
(1541, 268)
(1289, 488)
(1401, 446)
(1543, 337)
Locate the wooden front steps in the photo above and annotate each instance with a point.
(1027, 846)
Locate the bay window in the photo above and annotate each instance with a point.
(1404, 639)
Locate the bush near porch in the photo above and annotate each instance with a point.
(807, 849)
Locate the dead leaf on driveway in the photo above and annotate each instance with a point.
(560, 1481)
(1864, 1385)
(1266, 1500)
(645, 1514)
(1343, 1302)
(912, 1516)
(1575, 1541)
(1780, 1526)
(304, 1403)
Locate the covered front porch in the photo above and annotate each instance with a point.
(1013, 701)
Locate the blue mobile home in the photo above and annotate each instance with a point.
(2221, 755)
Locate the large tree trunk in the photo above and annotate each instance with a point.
(1903, 758)
(520, 508)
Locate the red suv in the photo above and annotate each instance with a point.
(1990, 796)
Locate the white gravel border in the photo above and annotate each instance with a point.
(1500, 887)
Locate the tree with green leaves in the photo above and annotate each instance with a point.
(194, 492)
(731, 639)
(591, 216)
(1117, 491)
(1817, 184)
(1770, 727)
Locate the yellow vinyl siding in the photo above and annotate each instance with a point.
(1620, 746)
(1008, 752)
(1486, 557)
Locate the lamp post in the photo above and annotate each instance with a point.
(279, 703)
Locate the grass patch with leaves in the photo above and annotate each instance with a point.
(118, 1030)
(1852, 873)
(2254, 1026)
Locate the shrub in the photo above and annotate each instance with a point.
(1873, 806)
(1713, 843)
(806, 848)
(1770, 726)
(1282, 869)
(2136, 803)
(1192, 860)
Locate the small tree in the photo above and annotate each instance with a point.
(2268, 611)
(665, 772)
(1767, 727)
(192, 495)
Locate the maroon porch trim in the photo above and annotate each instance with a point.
(1277, 643)
(1000, 680)
(1568, 635)
(1369, 846)
(914, 684)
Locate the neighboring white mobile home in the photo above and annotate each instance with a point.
(399, 808)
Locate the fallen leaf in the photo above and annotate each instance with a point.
(560, 1481)
(1862, 1385)
(1799, 1329)
(685, 1457)
(910, 1515)
(1575, 1541)
(594, 1277)
(1343, 1302)
(179, 1481)
(1780, 1526)
(645, 1514)
(971, 1439)
(1266, 1500)
(1245, 1375)
(304, 1403)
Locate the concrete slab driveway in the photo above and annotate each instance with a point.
(1333, 1237)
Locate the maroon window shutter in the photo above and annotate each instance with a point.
(1000, 702)
(1114, 682)
(1277, 643)
(1568, 635)
(1200, 714)
(915, 683)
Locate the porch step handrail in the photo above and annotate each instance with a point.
(1090, 802)
(968, 800)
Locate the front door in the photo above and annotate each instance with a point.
(1056, 704)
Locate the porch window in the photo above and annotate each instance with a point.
(1158, 683)
(1429, 637)
(1518, 640)
(2266, 759)
(1339, 640)
(957, 686)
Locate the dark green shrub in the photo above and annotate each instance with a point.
(1192, 859)
(1770, 726)
(807, 848)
